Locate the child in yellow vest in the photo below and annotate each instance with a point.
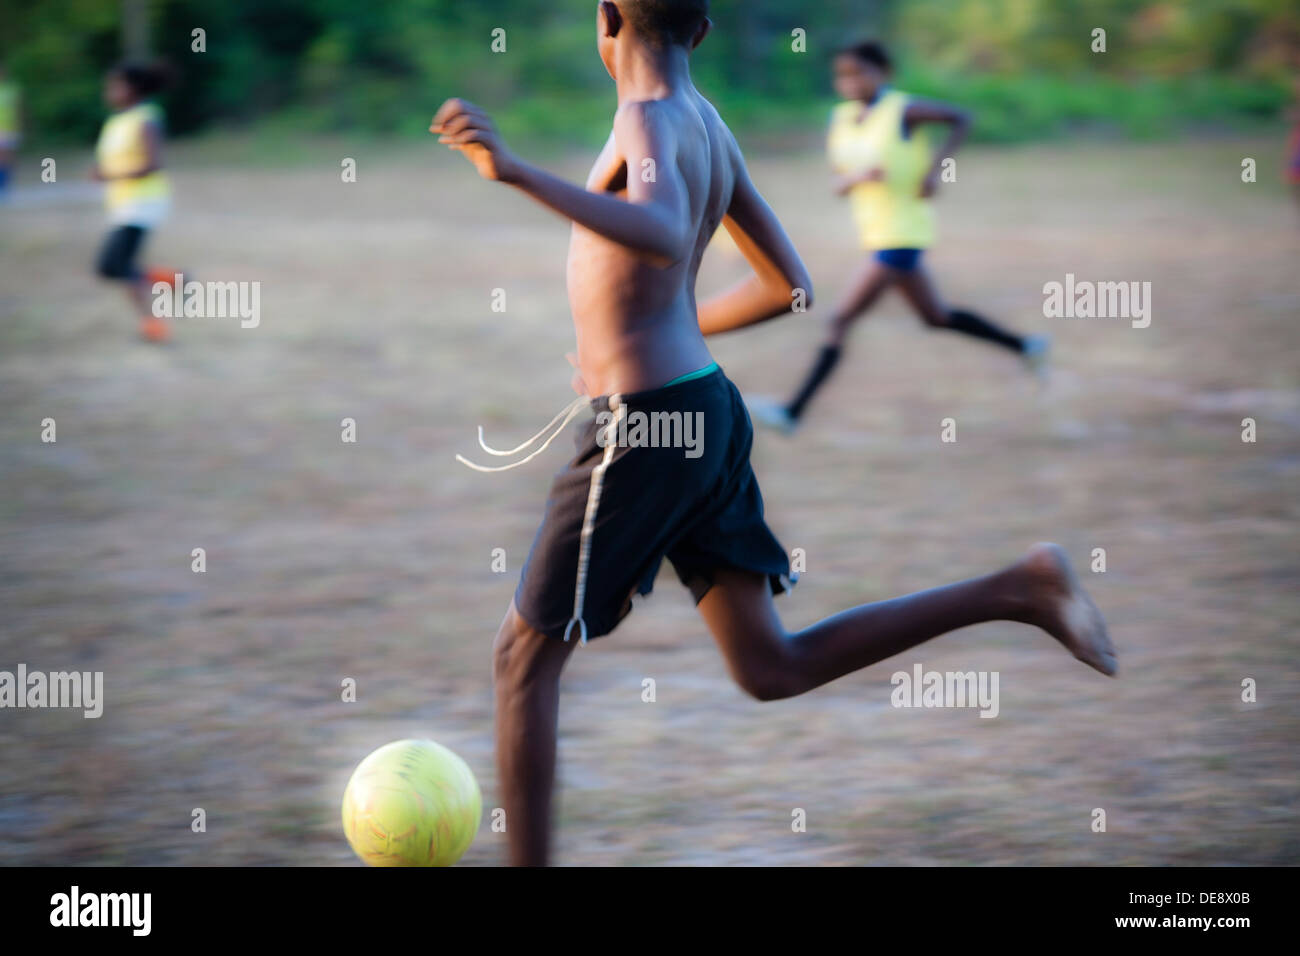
(10, 128)
(882, 161)
(128, 159)
(1293, 147)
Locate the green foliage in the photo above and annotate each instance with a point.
(1025, 67)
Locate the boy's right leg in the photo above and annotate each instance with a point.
(526, 666)
(117, 261)
(870, 282)
(770, 663)
(868, 285)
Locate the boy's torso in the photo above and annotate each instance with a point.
(121, 151)
(890, 212)
(636, 323)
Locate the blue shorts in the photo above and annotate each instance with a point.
(904, 260)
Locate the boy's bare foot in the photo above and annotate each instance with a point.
(1062, 607)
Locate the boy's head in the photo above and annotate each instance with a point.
(659, 24)
(129, 82)
(861, 70)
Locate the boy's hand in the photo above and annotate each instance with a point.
(465, 127)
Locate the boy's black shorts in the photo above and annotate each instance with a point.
(116, 259)
(697, 503)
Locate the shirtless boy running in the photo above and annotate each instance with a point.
(669, 175)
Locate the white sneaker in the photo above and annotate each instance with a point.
(772, 414)
(1037, 354)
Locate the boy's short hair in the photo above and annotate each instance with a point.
(146, 78)
(870, 51)
(674, 21)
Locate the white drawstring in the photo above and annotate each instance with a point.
(610, 443)
(569, 413)
(589, 520)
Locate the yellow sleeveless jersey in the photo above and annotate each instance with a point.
(8, 108)
(122, 148)
(890, 214)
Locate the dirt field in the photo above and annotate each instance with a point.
(372, 560)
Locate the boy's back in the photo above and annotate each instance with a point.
(636, 317)
(669, 175)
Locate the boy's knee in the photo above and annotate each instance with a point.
(767, 680)
(521, 654)
(106, 268)
(837, 329)
(766, 686)
(505, 644)
(113, 266)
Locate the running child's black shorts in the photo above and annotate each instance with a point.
(661, 473)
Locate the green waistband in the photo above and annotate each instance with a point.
(698, 373)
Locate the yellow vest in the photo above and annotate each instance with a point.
(122, 148)
(8, 108)
(890, 214)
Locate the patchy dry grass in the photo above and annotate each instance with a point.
(372, 560)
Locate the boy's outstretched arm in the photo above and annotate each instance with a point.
(653, 221)
(929, 111)
(779, 274)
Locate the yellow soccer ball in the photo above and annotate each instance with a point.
(411, 803)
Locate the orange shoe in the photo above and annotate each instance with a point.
(163, 274)
(154, 329)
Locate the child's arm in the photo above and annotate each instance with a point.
(153, 152)
(843, 184)
(779, 273)
(928, 111)
(653, 221)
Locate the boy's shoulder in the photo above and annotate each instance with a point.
(851, 109)
(639, 123)
(143, 112)
(669, 112)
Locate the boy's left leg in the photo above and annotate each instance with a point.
(526, 666)
(117, 261)
(869, 283)
(770, 663)
(919, 290)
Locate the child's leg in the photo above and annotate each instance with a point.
(138, 291)
(919, 290)
(526, 669)
(117, 261)
(770, 663)
(867, 286)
